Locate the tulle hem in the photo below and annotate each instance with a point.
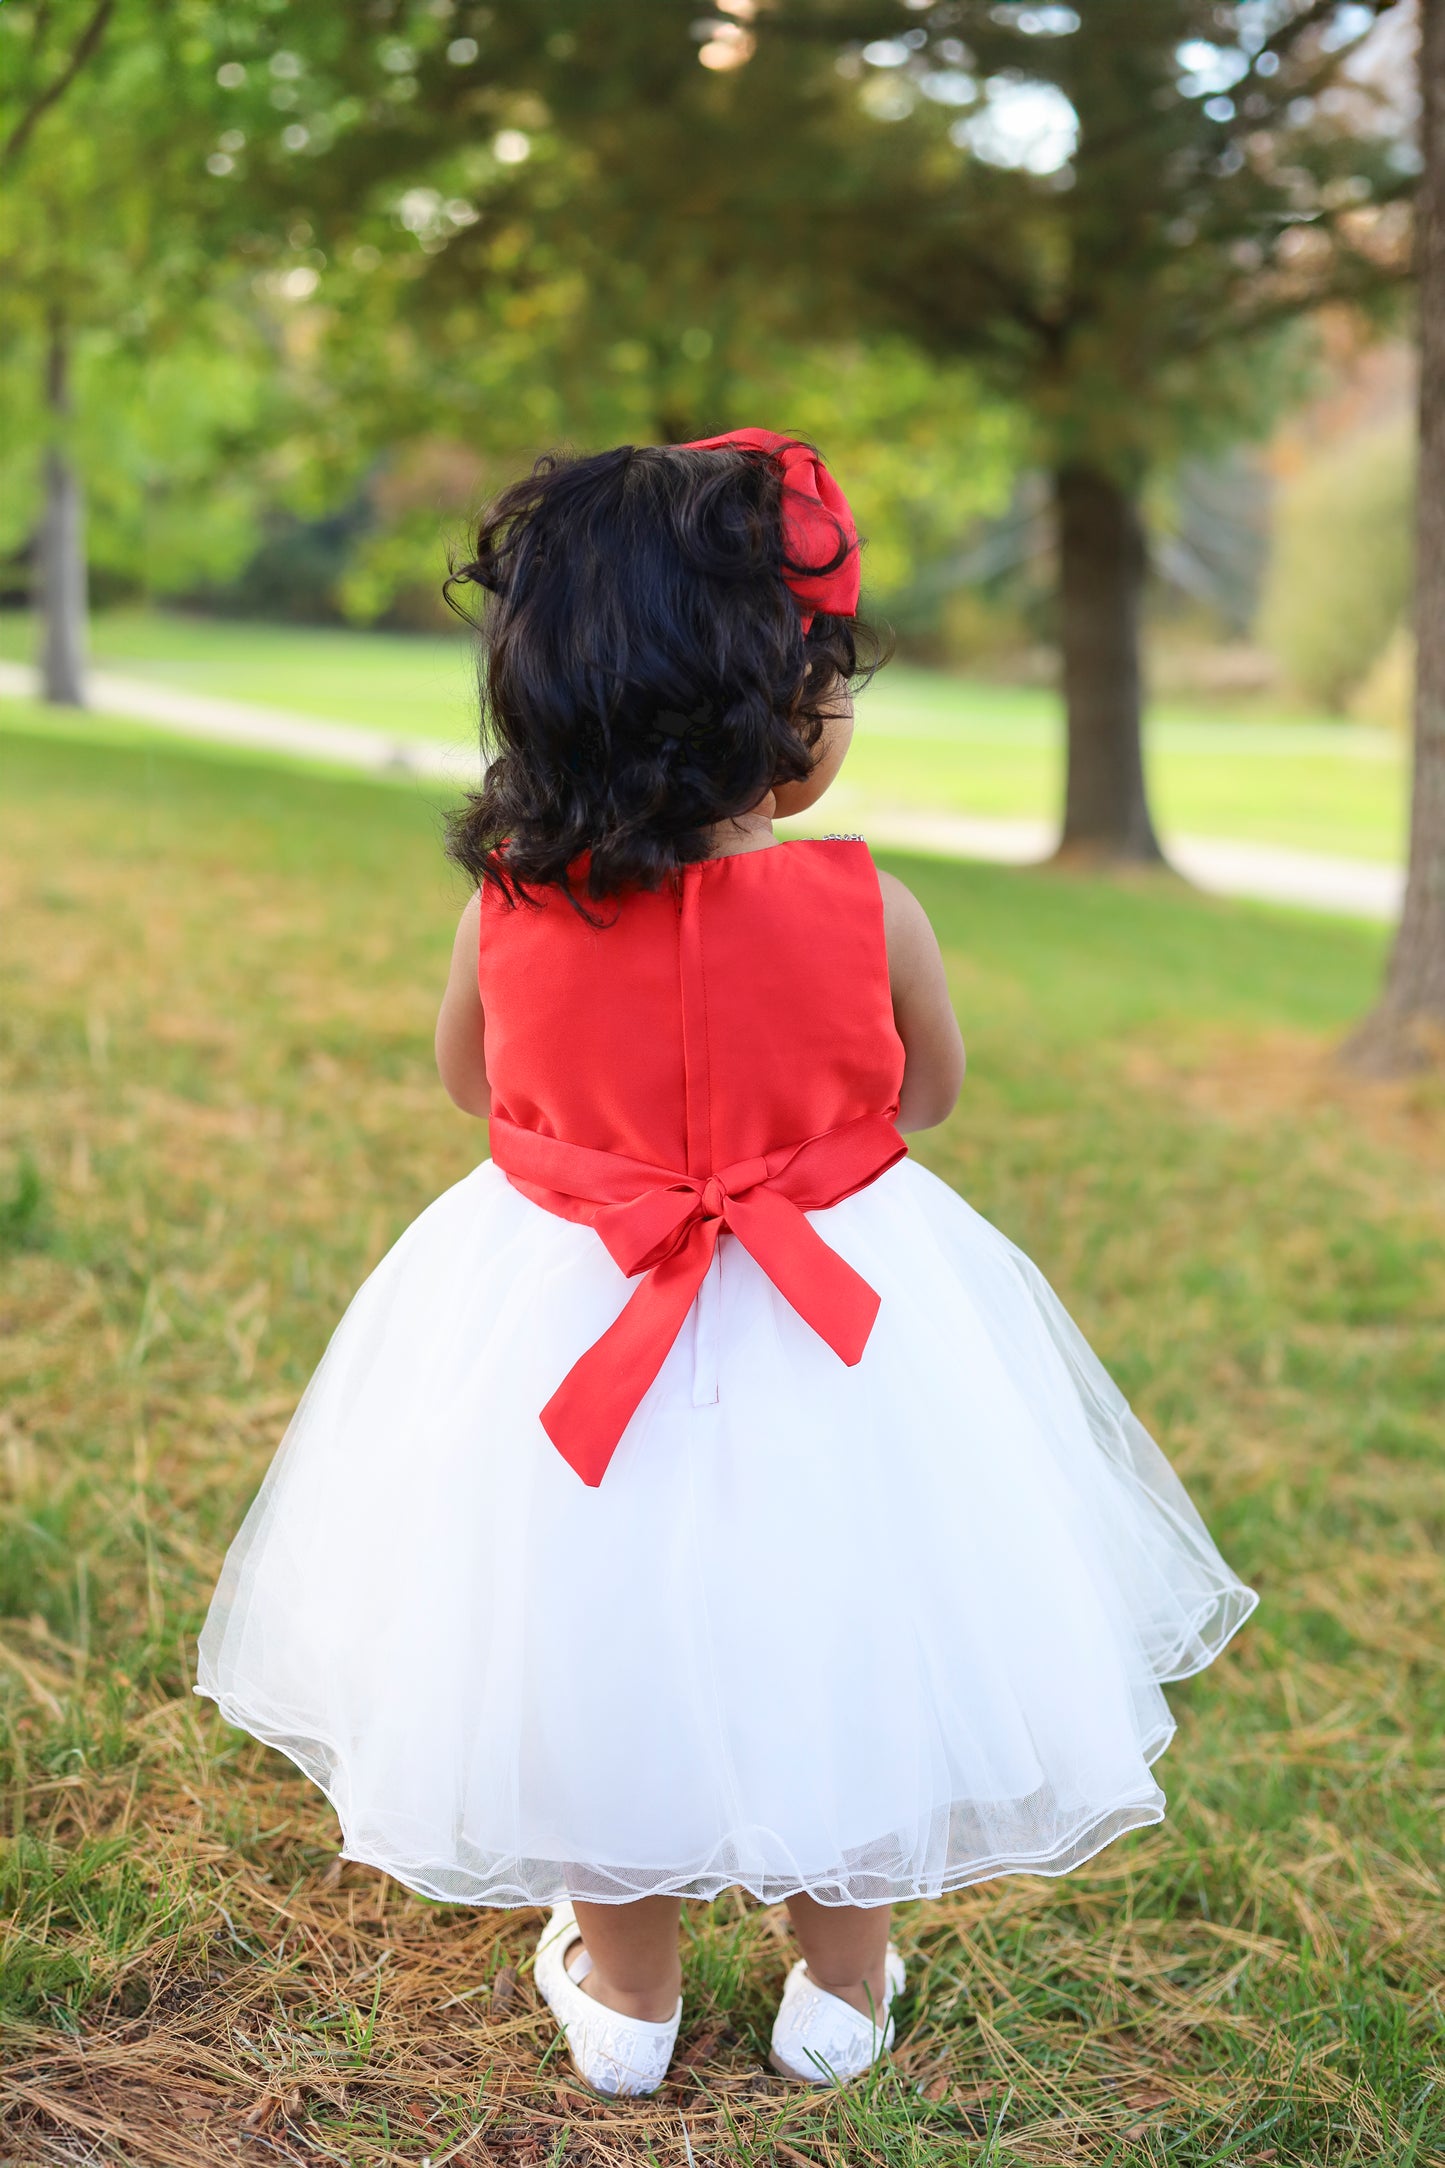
(549, 1882)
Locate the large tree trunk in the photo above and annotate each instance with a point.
(1101, 583)
(1407, 1029)
(62, 541)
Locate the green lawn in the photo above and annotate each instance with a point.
(219, 1107)
(924, 740)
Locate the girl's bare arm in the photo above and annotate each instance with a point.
(461, 1042)
(932, 1043)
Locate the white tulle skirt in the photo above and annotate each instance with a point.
(871, 1633)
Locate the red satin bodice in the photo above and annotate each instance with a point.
(721, 1054)
(745, 1009)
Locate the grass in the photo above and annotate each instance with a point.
(1244, 770)
(219, 1109)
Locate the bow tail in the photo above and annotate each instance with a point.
(599, 1396)
(821, 1286)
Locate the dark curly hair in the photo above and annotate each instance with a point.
(644, 672)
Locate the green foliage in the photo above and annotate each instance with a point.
(923, 449)
(1339, 579)
(159, 251)
(284, 249)
(439, 279)
(1117, 212)
(173, 445)
(113, 269)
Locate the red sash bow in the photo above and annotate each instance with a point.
(665, 1226)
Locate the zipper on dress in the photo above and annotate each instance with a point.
(696, 1076)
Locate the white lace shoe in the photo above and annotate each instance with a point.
(610, 2052)
(822, 2039)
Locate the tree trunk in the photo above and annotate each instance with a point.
(1407, 1029)
(1101, 582)
(62, 541)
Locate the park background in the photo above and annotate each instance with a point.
(1108, 318)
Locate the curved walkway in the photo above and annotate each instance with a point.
(1352, 887)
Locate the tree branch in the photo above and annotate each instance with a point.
(85, 46)
(1320, 11)
(1014, 301)
(1358, 280)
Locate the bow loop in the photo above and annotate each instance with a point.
(662, 1228)
(642, 1231)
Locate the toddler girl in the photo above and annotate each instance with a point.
(700, 1494)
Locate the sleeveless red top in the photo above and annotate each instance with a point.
(720, 1055)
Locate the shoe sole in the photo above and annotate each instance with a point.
(797, 2077)
(820, 2082)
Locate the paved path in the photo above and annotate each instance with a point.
(1354, 887)
(268, 730)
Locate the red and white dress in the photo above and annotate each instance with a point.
(700, 1493)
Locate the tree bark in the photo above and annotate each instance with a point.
(1407, 1029)
(1102, 561)
(62, 540)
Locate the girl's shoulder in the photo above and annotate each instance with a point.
(912, 943)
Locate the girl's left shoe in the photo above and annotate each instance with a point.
(822, 2039)
(611, 2053)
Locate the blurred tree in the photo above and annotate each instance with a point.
(49, 51)
(1114, 211)
(1115, 218)
(172, 441)
(1407, 1028)
(115, 354)
(489, 228)
(407, 255)
(166, 175)
(558, 234)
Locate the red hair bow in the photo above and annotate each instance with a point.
(816, 522)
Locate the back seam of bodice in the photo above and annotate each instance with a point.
(742, 1006)
(696, 1049)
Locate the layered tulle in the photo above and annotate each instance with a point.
(871, 1633)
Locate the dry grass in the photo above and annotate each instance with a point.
(219, 1110)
